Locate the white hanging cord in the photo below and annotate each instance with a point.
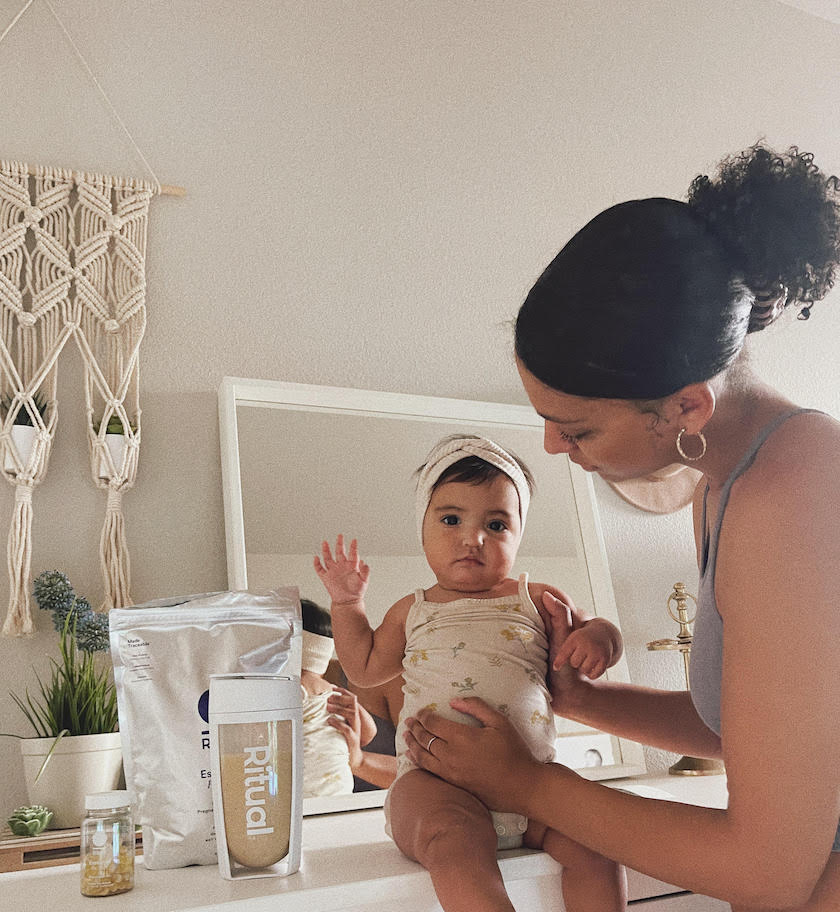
(13, 23)
(117, 117)
(166, 189)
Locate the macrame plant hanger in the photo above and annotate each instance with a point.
(72, 263)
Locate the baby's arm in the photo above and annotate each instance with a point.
(593, 644)
(368, 656)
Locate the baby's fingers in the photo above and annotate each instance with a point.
(340, 553)
(564, 654)
(326, 554)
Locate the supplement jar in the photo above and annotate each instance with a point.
(107, 844)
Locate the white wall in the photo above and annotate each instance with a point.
(372, 188)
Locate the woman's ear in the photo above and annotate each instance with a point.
(692, 406)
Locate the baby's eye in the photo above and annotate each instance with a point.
(450, 519)
(496, 525)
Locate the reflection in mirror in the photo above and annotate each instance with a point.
(303, 463)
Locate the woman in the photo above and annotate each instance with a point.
(630, 346)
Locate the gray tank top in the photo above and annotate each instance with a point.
(707, 647)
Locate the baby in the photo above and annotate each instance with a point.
(476, 632)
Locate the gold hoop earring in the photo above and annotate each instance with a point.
(683, 453)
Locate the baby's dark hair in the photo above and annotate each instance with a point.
(315, 618)
(654, 294)
(475, 470)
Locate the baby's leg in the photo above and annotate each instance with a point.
(449, 831)
(591, 882)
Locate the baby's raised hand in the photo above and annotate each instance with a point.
(345, 576)
(589, 649)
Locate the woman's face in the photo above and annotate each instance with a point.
(608, 436)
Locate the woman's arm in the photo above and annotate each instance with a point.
(780, 691)
(665, 719)
(660, 718)
(377, 769)
(354, 722)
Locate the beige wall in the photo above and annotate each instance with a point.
(372, 188)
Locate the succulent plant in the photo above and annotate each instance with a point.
(39, 403)
(30, 821)
(114, 426)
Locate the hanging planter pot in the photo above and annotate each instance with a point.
(79, 765)
(23, 440)
(23, 433)
(115, 441)
(116, 447)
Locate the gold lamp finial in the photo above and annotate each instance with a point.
(685, 766)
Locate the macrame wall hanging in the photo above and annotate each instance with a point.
(72, 265)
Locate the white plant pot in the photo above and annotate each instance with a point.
(23, 440)
(79, 766)
(116, 447)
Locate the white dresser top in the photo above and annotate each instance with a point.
(349, 863)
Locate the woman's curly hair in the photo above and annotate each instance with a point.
(653, 294)
(778, 216)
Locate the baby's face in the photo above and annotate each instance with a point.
(471, 534)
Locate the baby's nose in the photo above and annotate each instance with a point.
(473, 535)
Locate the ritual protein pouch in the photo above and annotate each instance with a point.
(164, 653)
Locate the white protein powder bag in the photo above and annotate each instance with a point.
(164, 653)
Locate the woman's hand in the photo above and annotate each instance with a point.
(565, 679)
(345, 704)
(492, 761)
(347, 719)
(345, 576)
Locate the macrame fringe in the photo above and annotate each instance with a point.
(19, 617)
(113, 554)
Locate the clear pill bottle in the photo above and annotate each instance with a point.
(107, 844)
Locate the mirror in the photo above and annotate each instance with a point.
(302, 463)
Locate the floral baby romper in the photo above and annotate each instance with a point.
(496, 649)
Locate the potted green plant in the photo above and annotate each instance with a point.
(115, 441)
(23, 430)
(76, 745)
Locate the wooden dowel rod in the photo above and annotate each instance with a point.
(165, 189)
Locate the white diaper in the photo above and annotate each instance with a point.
(510, 828)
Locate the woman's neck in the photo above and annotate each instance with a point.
(742, 409)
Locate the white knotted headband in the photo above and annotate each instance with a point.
(316, 652)
(452, 450)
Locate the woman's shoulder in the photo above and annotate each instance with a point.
(790, 495)
(801, 454)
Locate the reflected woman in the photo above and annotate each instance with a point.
(326, 758)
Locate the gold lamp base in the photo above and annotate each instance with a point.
(697, 766)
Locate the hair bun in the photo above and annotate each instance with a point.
(778, 217)
(767, 306)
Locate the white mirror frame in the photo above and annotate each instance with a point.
(235, 392)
